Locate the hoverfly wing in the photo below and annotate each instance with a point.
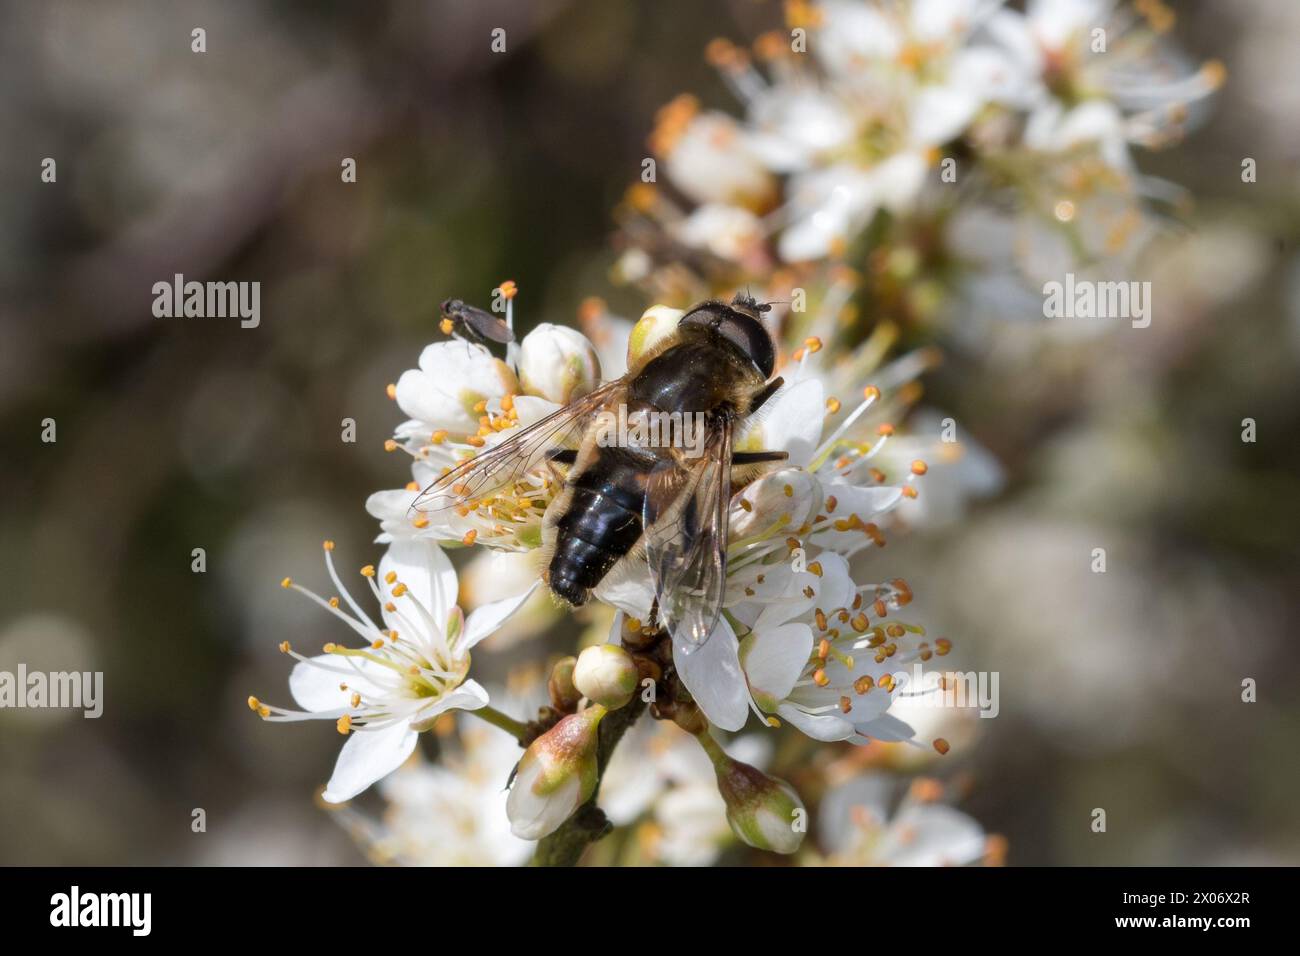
(685, 526)
(501, 465)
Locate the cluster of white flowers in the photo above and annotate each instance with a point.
(800, 641)
(926, 117)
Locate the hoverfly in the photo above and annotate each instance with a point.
(473, 324)
(645, 501)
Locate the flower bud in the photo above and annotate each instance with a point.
(557, 363)
(564, 695)
(607, 675)
(556, 775)
(790, 493)
(763, 811)
(655, 323)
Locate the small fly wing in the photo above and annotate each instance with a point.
(478, 322)
(487, 325)
(502, 465)
(685, 522)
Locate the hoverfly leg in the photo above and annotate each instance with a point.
(758, 457)
(766, 392)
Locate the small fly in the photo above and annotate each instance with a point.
(472, 324)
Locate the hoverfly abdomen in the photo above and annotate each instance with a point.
(601, 523)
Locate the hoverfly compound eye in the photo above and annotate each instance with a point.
(738, 325)
(749, 336)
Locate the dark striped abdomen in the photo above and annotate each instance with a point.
(601, 523)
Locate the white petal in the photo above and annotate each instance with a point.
(792, 421)
(886, 727)
(932, 835)
(468, 696)
(942, 112)
(486, 619)
(774, 659)
(369, 755)
(868, 792)
(627, 587)
(817, 726)
(427, 573)
(711, 672)
(315, 683)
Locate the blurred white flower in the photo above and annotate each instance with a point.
(857, 828)
(661, 776)
(452, 813)
(416, 667)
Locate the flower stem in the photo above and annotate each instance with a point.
(494, 717)
(588, 824)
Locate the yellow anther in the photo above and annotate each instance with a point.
(470, 535)
(832, 404)
(334, 602)
(344, 724)
(390, 445)
(508, 289)
(254, 703)
(285, 647)
(391, 391)
(941, 745)
(287, 583)
(399, 589)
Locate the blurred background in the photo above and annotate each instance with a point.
(1119, 690)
